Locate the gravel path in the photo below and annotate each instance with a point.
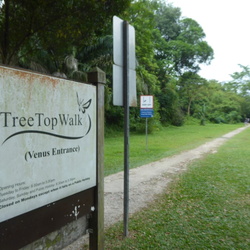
(147, 181)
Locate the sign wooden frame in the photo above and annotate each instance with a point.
(81, 198)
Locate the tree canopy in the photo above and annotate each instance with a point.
(69, 37)
(26, 26)
(185, 48)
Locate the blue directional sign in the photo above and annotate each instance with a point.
(146, 113)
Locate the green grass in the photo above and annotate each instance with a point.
(163, 143)
(207, 207)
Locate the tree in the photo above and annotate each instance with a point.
(166, 47)
(168, 21)
(190, 85)
(222, 106)
(141, 15)
(240, 82)
(71, 36)
(240, 85)
(183, 42)
(26, 26)
(170, 108)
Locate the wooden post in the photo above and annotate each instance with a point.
(96, 240)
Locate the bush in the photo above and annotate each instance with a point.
(233, 117)
(190, 120)
(178, 118)
(218, 120)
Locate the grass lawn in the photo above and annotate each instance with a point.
(166, 142)
(207, 207)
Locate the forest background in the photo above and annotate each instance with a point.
(68, 38)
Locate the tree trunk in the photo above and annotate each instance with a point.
(189, 106)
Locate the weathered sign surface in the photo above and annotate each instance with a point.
(47, 140)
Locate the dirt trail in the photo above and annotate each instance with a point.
(147, 181)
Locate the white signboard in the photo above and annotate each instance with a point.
(47, 140)
(118, 86)
(146, 102)
(118, 63)
(118, 43)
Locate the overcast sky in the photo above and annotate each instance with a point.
(226, 24)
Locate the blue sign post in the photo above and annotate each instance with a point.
(146, 111)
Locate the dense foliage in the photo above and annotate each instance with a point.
(68, 37)
(29, 26)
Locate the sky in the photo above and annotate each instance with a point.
(226, 24)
